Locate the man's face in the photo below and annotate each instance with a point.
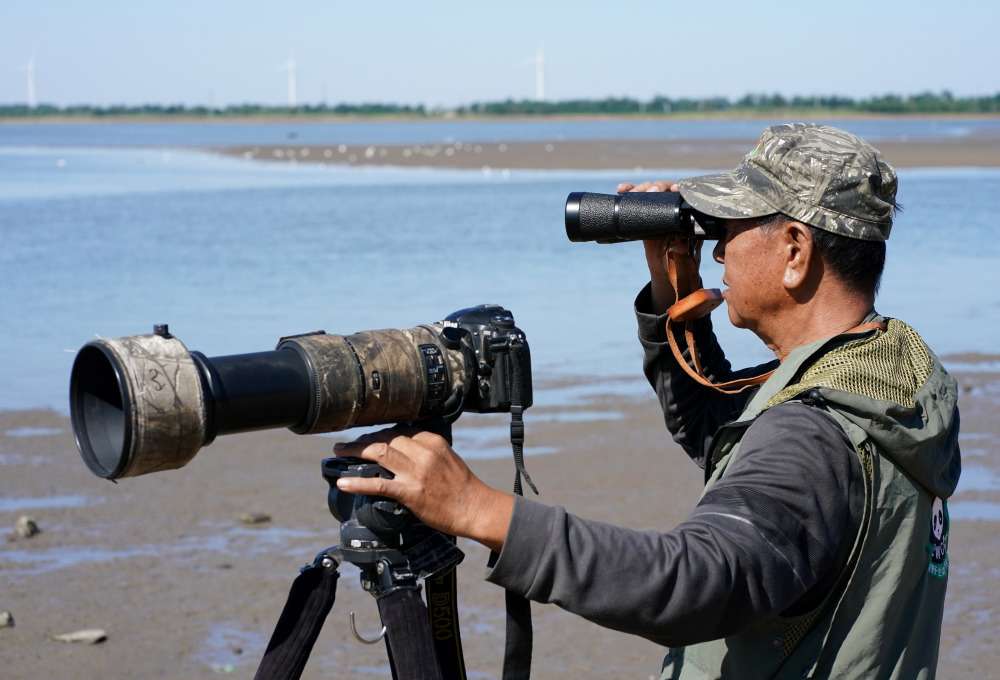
(753, 271)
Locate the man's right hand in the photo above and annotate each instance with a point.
(662, 291)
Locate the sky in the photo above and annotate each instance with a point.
(448, 54)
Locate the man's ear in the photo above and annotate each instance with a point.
(797, 247)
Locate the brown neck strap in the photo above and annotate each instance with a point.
(693, 303)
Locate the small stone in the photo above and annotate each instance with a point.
(90, 636)
(26, 527)
(6, 620)
(255, 518)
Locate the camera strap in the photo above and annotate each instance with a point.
(517, 424)
(519, 637)
(442, 612)
(693, 302)
(409, 640)
(690, 306)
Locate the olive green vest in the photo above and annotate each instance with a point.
(883, 619)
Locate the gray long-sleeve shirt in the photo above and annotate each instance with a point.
(769, 537)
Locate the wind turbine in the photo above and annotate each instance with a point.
(539, 62)
(30, 68)
(290, 67)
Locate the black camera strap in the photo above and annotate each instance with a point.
(408, 638)
(442, 610)
(520, 637)
(517, 425)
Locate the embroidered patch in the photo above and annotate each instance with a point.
(937, 542)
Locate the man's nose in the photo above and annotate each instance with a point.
(719, 252)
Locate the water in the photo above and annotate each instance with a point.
(8, 504)
(222, 540)
(445, 131)
(107, 241)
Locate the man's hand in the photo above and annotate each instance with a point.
(662, 291)
(433, 482)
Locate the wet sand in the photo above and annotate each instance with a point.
(692, 154)
(186, 589)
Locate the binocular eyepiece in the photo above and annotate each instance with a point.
(611, 218)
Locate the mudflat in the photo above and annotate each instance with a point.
(628, 154)
(173, 567)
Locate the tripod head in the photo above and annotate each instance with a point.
(382, 537)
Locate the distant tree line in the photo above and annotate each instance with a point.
(233, 111)
(927, 102)
(924, 103)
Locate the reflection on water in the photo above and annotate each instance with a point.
(32, 432)
(9, 504)
(478, 443)
(25, 562)
(227, 539)
(223, 649)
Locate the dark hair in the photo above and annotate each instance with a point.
(857, 262)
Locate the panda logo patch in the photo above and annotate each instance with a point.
(937, 542)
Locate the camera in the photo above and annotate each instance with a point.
(614, 218)
(144, 403)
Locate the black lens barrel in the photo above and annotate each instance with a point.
(258, 391)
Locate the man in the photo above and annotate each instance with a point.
(817, 548)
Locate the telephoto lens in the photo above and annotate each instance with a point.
(144, 403)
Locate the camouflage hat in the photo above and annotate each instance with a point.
(816, 174)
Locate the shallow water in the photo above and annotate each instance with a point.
(223, 540)
(105, 242)
(172, 135)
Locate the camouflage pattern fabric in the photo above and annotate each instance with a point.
(816, 174)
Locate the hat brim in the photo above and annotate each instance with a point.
(724, 195)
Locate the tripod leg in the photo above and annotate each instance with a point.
(309, 601)
(408, 636)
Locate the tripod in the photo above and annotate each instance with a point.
(394, 551)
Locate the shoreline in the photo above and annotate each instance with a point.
(607, 154)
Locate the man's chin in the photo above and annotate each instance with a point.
(735, 318)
